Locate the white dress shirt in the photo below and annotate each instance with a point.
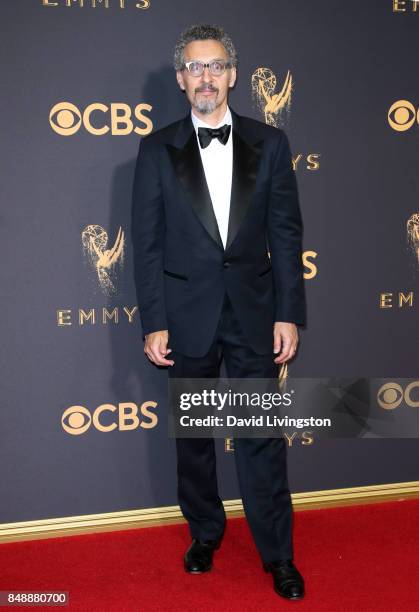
(217, 160)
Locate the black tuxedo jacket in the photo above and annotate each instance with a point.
(182, 270)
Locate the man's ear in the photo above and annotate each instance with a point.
(179, 78)
(233, 77)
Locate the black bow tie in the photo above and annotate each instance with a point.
(205, 135)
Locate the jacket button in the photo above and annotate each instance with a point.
(226, 264)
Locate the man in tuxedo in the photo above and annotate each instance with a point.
(217, 235)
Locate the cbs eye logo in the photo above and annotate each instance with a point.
(391, 395)
(66, 119)
(402, 115)
(126, 416)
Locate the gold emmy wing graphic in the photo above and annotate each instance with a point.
(103, 260)
(271, 104)
(412, 229)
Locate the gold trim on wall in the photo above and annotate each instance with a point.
(169, 515)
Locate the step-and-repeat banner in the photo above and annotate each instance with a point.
(84, 413)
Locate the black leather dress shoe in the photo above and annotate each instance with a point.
(288, 582)
(198, 557)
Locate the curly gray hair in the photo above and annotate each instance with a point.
(203, 32)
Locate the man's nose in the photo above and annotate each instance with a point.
(206, 73)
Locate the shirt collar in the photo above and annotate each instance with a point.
(197, 122)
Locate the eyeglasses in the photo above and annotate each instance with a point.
(216, 67)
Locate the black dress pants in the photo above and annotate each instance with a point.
(260, 462)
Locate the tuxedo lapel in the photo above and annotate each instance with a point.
(187, 163)
(186, 160)
(246, 159)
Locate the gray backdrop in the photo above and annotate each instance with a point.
(62, 194)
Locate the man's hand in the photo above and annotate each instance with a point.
(155, 347)
(285, 337)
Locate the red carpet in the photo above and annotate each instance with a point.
(357, 558)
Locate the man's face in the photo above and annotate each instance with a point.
(206, 92)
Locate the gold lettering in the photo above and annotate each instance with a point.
(290, 439)
(405, 299)
(141, 4)
(128, 413)
(307, 439)
(229, 445)
(63, 317)
(130, 313)
(98, 412)
(109, 315)
(409, 401)
(83, 316)
(123, 119)
(86, 119)
(397, 6)
(147, 413)
(295, 161)
(146, 120)
(309, 264)
(313, 161)
(385, 300)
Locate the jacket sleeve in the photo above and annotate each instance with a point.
(284, 233)
(148, 235)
